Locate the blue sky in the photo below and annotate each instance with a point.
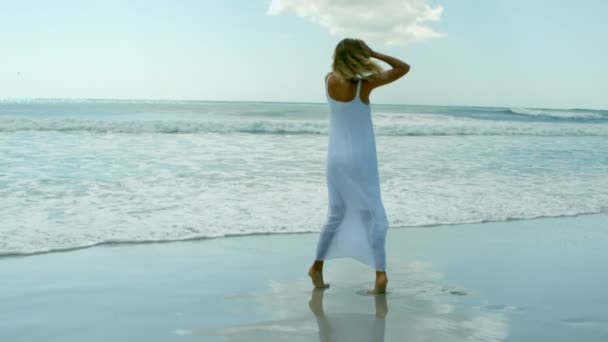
(492, 53)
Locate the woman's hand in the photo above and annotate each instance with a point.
(366, 48)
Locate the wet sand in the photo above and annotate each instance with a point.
(528, 280)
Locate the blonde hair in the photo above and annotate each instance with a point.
(352, 62)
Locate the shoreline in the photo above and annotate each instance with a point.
(111, 243)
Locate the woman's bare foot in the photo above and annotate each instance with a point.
(317, 278)
(381, 282)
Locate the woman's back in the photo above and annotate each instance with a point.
(351, 137)
(349, 119)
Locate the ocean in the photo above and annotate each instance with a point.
(78, 173)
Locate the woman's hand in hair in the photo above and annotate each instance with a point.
(366, 48)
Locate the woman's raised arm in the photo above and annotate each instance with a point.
(399, 69)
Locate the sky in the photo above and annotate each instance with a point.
(518, 53)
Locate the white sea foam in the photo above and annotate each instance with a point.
(562, 114)
(82, 173)
(64, 191)
(386, 124)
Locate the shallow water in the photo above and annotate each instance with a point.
(79, 173)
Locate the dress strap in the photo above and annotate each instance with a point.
(358, 89)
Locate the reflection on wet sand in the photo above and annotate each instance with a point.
(423, 308)
(349, 327)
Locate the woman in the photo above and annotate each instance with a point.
(356, 221)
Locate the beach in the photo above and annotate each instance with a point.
(174, 171)
(519, 280)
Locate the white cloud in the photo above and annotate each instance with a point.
(390, 22)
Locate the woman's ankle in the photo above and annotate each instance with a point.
(317, 266)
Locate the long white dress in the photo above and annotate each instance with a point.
(356, 222)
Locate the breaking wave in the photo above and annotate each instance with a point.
(414, 125)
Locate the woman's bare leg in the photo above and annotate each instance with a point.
(316, 274)
(328, 232)
(381, 282)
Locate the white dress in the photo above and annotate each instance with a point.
(356, 222)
